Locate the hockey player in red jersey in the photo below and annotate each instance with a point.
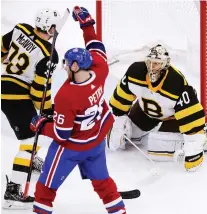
(81, 121)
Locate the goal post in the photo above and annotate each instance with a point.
(99, 18)
(203, 54)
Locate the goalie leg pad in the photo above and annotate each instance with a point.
(137, 133)
(194, 161)
(194, 151)
(162, 145)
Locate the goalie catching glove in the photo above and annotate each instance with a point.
(192, 153)
(115, 138)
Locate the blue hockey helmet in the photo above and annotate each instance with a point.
(81, 56)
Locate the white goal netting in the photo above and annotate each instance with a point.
(133, 26)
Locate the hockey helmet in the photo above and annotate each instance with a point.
(81, 56)
(46, 18)
(157, 60)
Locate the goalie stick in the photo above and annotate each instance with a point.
(58, 28)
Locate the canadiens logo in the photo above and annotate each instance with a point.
(92, 86)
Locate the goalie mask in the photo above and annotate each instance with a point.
(156, 61)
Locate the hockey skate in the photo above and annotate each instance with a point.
(14, 198)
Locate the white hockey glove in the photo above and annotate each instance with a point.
(192, 153)
(122, 126)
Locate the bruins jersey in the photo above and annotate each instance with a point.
(25, 56)
(170, 97)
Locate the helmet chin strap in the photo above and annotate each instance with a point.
(73, 74)
(50, 34)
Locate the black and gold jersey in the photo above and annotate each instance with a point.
(170, 96)
(25, 56)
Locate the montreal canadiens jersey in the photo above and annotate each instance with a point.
(82, 118)
(25, 56)
(172, 96)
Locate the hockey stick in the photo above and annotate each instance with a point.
(131, 194)
(58, 27)
(154, 171)
(112, 62)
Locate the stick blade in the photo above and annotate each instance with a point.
(130, 194)
(62, 21)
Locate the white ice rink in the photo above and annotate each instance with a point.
(174, 191)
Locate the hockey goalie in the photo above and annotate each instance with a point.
(155, 105)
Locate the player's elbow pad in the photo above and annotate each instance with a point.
(96, 45)
(62, 134)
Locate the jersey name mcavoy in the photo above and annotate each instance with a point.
(26, 43)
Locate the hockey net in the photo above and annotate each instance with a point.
(129, 28)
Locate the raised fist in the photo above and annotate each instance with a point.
(82, 15)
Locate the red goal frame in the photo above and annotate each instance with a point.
(203, 54)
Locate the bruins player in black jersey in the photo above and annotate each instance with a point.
(25, 52)
(153, 91)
